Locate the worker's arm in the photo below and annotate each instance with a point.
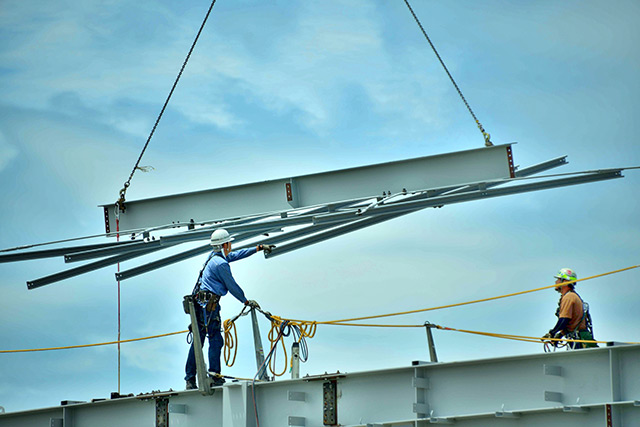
(562, 324)
(241, 253)
(225, 274)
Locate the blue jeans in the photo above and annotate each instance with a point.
(208, 325)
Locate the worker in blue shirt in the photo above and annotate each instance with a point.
(215, 281)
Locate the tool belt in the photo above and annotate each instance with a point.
(209, 299)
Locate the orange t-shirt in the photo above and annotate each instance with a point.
(571, 308)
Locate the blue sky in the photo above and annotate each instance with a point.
(289, 88)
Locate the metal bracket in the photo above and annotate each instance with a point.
(420, 408)
(162, 412)
(503, 414)
(298, 396)
(297, 421)
(330, 403)
(433, 420)
(552, 396)
(177, 408)
(421, 383)
(553, 370)
(575, 409)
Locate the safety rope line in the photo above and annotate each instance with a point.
(464, 303)
(95, 344)
(123, 191)
(523, 337)
(487, 141)
(308, 328)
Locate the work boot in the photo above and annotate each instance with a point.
(191, 384)
(216, 378)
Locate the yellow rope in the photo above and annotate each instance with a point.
(523, 338)
(93, 345)
(308, 328)
(329, 322)
(274, 336)
(230, 342)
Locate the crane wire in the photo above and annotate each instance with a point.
(487, 141)
(123, 191)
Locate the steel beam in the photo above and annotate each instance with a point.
(521, 173)
(103, 252)
(405, 206)
(541, 167)
(467, 393)
(50, 253)
(256, 228)
(127, 274)
(145, 268)
(442, 170)
(392, 210)
(270, 240)
(335, 232)
(32, 284)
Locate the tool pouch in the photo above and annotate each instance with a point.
(185, 303)
(212, 304)
(209, 298)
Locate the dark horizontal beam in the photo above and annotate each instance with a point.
(404, 206)
(50, 253)
(354, 225)
(270, 240)
(103, 252)
(86, 268)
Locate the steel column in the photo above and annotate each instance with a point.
(257, 342)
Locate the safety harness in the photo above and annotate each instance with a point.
(585, 334)
(205, 298)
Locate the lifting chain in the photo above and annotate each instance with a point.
(123, 191)
(487, 141)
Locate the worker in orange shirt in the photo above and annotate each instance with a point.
(574, 320)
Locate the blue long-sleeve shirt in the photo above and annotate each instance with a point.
(217, 277)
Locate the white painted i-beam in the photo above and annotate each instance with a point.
(441, 170)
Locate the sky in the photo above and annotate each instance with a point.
(285, 88)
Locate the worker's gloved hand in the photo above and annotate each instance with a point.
(266, 248)
(547, 335)
(252, 304)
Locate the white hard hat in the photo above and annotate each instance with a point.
(220, 236)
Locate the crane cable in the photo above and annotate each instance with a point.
(487, 141)
(123, 191)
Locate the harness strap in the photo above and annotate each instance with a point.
(584, 313)
(197, 286)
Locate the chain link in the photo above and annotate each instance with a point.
(487, 141)
(123, 191)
